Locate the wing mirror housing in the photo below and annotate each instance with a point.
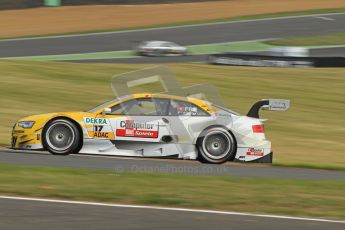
(106, 111)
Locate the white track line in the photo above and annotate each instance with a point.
(174, 27)
(170, 209)
(326, 18)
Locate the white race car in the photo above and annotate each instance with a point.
(160, 48)
(152, 125)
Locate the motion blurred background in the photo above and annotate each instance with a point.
(60, 56)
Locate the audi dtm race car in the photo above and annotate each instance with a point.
(152, 125)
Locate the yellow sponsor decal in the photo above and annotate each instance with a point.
(106, 135)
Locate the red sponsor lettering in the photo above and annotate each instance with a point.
(136, 133)
(255, 152)
(130, 128)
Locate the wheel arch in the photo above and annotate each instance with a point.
(219, 126)
(65, 118)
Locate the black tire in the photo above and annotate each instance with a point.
(61, 137)
(216, 145)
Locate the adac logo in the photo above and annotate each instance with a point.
(101, 135)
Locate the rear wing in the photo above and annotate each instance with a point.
(268, 104)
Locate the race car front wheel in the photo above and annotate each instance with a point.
(216, 145)
(61, 137)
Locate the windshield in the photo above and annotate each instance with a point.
(106, 104)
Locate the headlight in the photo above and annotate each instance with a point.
(26, 124)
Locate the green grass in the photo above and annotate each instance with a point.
(310, 134)
(316, 40)
(286, 197)
(228, 19)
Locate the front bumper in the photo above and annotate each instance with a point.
(26, 138)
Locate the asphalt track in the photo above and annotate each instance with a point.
(42, 214)
(185, 35)
(319, 52)
(121, 164)
(144, 60)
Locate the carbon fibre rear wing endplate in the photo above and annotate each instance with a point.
(268, 104)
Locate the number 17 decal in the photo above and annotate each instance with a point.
(98, 128)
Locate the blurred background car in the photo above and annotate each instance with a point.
(160, 48)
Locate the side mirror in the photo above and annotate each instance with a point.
(106, 111)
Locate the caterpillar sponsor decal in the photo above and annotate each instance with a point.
(255, 152)
(131, 128)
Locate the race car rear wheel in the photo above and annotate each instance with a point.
(216, 145)
(61, 137)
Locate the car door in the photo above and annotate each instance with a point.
(139, 119)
